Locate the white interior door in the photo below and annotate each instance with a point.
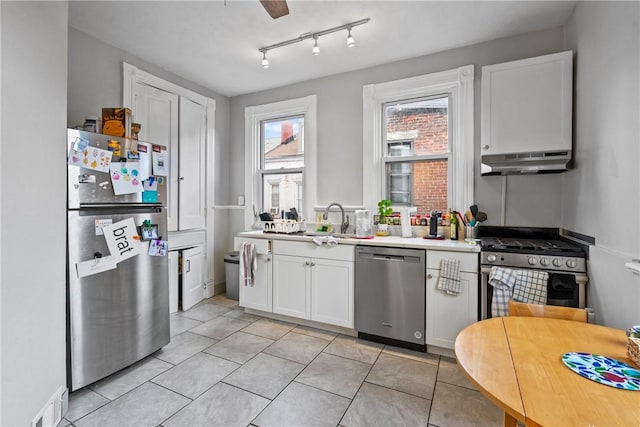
(191, 204)
(157, 112)
(192, 289)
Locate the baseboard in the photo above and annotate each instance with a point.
(51, 414)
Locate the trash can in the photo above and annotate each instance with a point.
(232, 273)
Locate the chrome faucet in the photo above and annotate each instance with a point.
(343, 224)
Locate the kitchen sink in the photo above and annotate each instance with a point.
(326, 233)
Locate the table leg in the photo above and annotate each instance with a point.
(509, 421)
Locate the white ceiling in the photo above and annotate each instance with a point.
(215, 43)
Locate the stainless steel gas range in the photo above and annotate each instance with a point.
(534, 249)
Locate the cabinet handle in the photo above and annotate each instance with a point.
(486, 147)
(306, 263)
(429, 276)
(188, 265)
(312, 263)
(268, 259)
(182, 178)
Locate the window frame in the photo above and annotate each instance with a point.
(458, 85)
(254, 116)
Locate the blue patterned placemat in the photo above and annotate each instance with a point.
(603, 370)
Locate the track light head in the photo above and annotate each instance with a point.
(316, 48)
(265, 61)
(351, 42)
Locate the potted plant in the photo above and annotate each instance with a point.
(384, 210)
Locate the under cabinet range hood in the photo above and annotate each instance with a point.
(526, 163)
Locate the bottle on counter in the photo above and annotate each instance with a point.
(453, 221)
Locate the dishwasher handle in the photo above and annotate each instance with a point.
(387, 257)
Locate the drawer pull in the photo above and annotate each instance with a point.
(429, 276)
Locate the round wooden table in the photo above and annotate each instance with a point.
(516, 362)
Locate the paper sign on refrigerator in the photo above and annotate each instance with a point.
(124, 178)
(95, 266)
(160, 161)
(90, 158)
(122, 239)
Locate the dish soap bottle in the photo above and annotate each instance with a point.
(453, 221)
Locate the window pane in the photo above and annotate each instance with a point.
(425, 122)
(430, 186)
(399, 148)
(422, 184)
(283, 143)
(281, 192)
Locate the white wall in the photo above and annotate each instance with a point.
(601, 196)
(33, 193)
(339, 126)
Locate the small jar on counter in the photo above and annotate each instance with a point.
(90, 124)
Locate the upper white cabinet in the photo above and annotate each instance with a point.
(190, 177)
(527, 105)
(180, 125)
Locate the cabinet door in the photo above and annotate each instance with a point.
(291, 286)
(192, 288)
(332, 292)
(191, 157)
(527, 105)
(174, 280)
(260, 295)
(157, 112)
(447, 315)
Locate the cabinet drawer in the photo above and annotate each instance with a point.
(262, 245)
(468, 261)
(311, 250)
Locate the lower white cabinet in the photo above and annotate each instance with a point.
(260, 295)
(314, 283)
(192, 278)
(447, 315)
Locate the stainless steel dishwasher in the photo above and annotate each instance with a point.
(390, 295)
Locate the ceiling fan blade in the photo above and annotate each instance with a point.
(275, 8)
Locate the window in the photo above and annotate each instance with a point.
(280, 144)
(417, 150)
(418, 141)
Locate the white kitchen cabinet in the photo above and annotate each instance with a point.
(192, 277)
(292, 286)
(190, 152)
(314, 283)
(527, 105)
(260, 295)
(174, 280)
(447, 315)
(180, 125)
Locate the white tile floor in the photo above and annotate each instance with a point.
(225, 367)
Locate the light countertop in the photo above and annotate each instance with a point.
(393, 241)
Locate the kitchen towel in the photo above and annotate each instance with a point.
(449, 280)
(248, 263)
(503, 280)
(531, 286)
(329, 240)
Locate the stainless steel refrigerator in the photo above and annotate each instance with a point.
(119, 316)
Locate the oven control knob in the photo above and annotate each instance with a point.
(557, 262)
(544, 261)
(532, 261)
(491, 258)
(571, 263)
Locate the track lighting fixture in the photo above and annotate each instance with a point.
(315, 36)
(350, 40)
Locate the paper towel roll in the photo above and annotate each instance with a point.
(405, 222)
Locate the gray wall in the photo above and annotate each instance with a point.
(601, 197)
(340, 130)
(33, 218)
